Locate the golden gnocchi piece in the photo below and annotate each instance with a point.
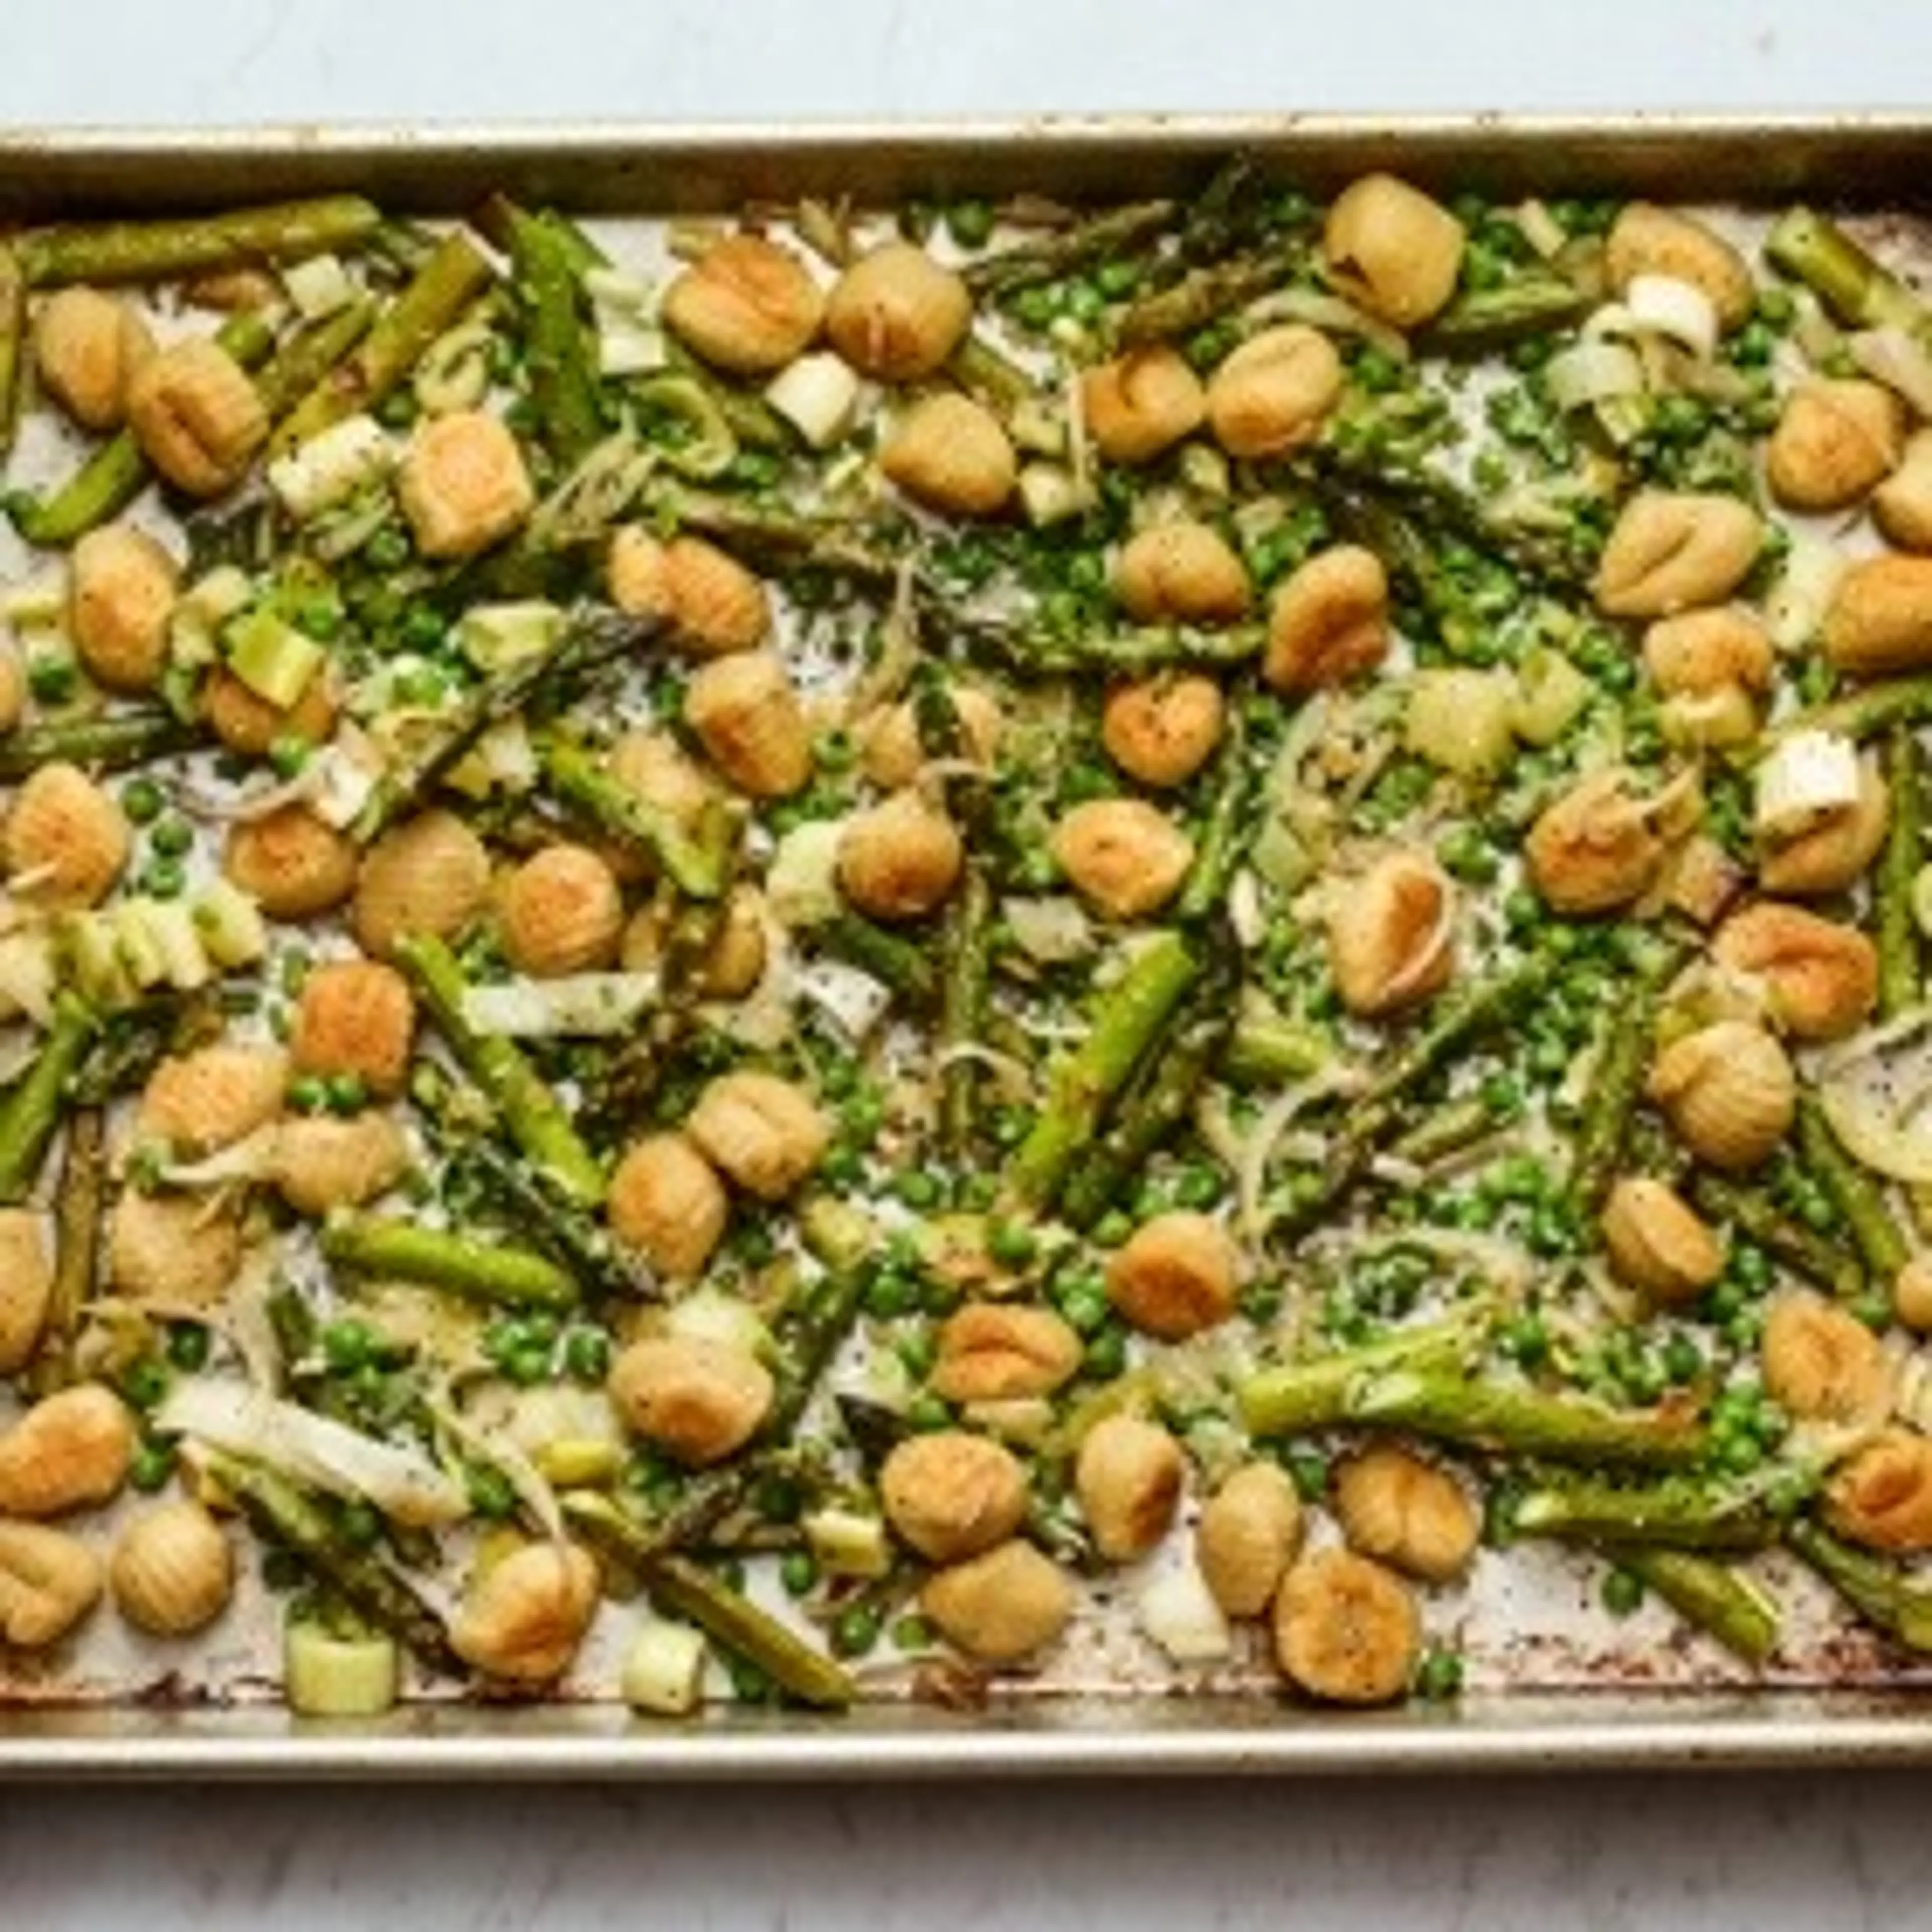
(1881, 1496)
(667, 1201)
(1346, 1630)
(196, 1103)
(1125, 857)
(1250, 1531)
(173, 1251)
(1699, 653)
(998, 1351)
(428, 876)
(999, 1607)
(1837, 439)
(1822, 1364)
(900, 859)
(1657, 1243)
(1838, 851)
(746, 714)
(462, 485)
(1141, 403)
(26, 1285)
(1901, 505)
(1407, 1514)
(1597, 847)
(1393, 248)
(1129, 1476)
(711, 604)
(48, 1582)
(1879, 621)
(246, 722)
(121, 587)
(1162, 730)
(1181, 573)
(1275, 393)
(1176, 1275)
(65, 841)
(1328, 622)
(766, 1132)
(1819, 976)
(196, 416)
(1729, 1091)
(69, 1451)
(173, 1572)
(745, 305)
(561, 911)
(896, 315)
(1391, 935)
(87, 346)
(952, 1495)
(950, 455)
(295, 865)
(356, 1017)
(1672, 550)
(700, 1399)
(1647, 240)
(525, 1617)
(322, 1163)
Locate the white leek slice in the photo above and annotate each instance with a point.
(1178, 1611)
(1796, 604)
(818, 395)
(1808, 777)
(327, 1675)
(848, 1543)
(854, 1001)
(494, 636)
(629, 342)
(230, 924)
(403, 1482)
(663, 1668)
(802, 881)
(319, 286)
(1675, 310)
(1899, 360)
(1051, 930)
(332, 467)
(710, 1315)
(577, 1005)
(27, 977)
(1592, 372)
(1876, 1090)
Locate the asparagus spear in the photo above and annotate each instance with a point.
(1787, 1241)
(1532, 304)
(1881, 1244)
(696, 861)
(1292, 1398)
(31, 1112)
(1137, 651)
(308, 356)
(889, 957)
(479, 1271)
(1447, 1131)
(1223, 839)
(114, 742)
(1046, 258)
(365, 1580)
(78, 1207)
(1162, 1097)
(966, 950)
(775, 539)
(153, 251)
(13, 342)
(455, 274)
(1206, 294)
(1901, 979)
(546, 279)
(1520, 1420)
(1712, 1596)
(590, 640)
(1678, 1512)
(533, 1114)
(1614, 1085)
(1130, 1017)
(1866, 713)
(1264, 1051)
(1883, 1594)
(995, 378)
(1812, 249)
(117, 473)
(730, 1619)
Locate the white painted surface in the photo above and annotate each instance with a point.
(1785, 1855)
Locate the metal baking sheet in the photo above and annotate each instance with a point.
(1568, 1711)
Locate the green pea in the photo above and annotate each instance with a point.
(308, 1094)
(389, 549)
(1438, 1678)
(490, 1495)
(346, 1093)
(919, 1191)
(144, 1383)
(289, 755)
(1308, 1470)
(798, 1572)
(528, 1366)
(890, 1294)
(188, 1344)
(1622, 1592)
(586, 1354)
(1683, 1360)
(142, 800)
(855, 1632)
(911, 1632)
(1012, 1243)
(53, 678)
(970, 223)
(1106, 1355)
(359, 1524)
(152, 1468)
(163, 878)
(347, 1345)
(927, 1414)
